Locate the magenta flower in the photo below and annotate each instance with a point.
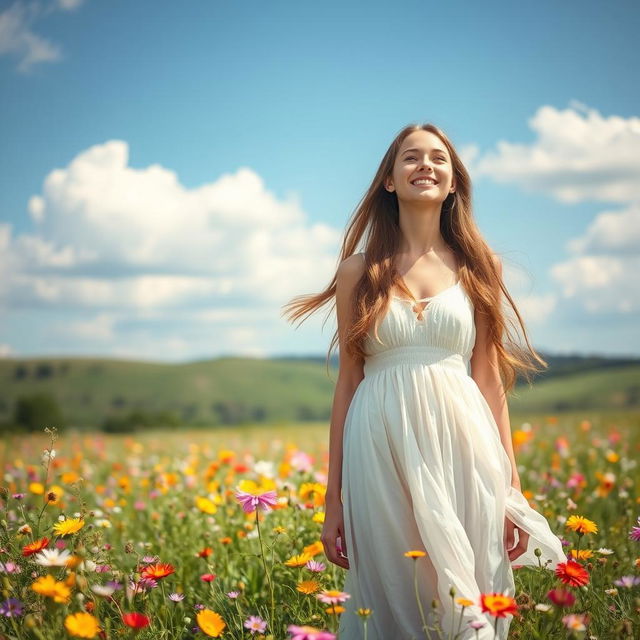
(634, 534)
(250, 502)
(255, 623)
(308, 633)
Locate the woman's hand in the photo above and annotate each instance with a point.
(509, 538)
(332, 529)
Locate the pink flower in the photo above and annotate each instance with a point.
(255, 623)
(634, 534)
(308, 633)
(314, 565)
(251, 502)
(476, 624)
(331, 596)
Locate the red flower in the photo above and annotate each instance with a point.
(572, 573)
(34, 547)
(207, 551)
(157, 571)
(561, 597)
(135, 620)
(208, 577)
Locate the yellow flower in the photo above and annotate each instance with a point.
(47, 586)
(464, 602)
(36, 487)
(82, 625)
(210, 622)
(308, 586)
(581, 525)
(70, 525)
(205, 505)
(582, 554)
(415, 554)
(299, 560)
(318, 516)
(364, 613)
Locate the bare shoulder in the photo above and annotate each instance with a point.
(350, 270)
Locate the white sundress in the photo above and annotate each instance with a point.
(424, 469)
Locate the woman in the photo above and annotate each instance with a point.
(420, 451)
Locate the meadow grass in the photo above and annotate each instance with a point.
(151, 524)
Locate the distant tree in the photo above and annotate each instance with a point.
(20, 372)
(36, 411)
(44, 370)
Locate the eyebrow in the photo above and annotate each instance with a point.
(407, 150)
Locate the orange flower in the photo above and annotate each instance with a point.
(34, 547)
(308, 586)
(572, 573)
(158, 570)
(498, 604)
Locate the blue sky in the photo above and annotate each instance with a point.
(174, 172)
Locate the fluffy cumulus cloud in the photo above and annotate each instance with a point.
(580, 156)
(129, 249)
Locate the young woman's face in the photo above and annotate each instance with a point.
(422, 155)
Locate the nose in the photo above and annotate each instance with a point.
(425, 163)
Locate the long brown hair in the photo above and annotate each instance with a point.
(376, 222)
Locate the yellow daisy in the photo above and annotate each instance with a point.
(308, 586)
(298, 561)
(82, 625)
(70, 525)
(581, 525)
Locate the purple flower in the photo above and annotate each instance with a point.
(251, 502)
(255, 623)
(634, 534)
(176, 597)
(314, 565)
(627, 581)
(17, 496)
(11, 608)
(114, 584)
(233, 594)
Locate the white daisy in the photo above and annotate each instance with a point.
(52, 557)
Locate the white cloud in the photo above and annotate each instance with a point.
(578, 155)
(111, 240)
(17, 38)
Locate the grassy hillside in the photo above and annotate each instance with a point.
(240, 390)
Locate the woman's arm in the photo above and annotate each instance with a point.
(485, 372)
(350, 374)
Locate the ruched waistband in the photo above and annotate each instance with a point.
(414, 355)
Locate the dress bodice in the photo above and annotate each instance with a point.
(446, 324)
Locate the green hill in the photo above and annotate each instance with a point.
(234, 390)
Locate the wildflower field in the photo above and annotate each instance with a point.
(196, 534)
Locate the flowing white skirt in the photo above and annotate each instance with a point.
(424, 469)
